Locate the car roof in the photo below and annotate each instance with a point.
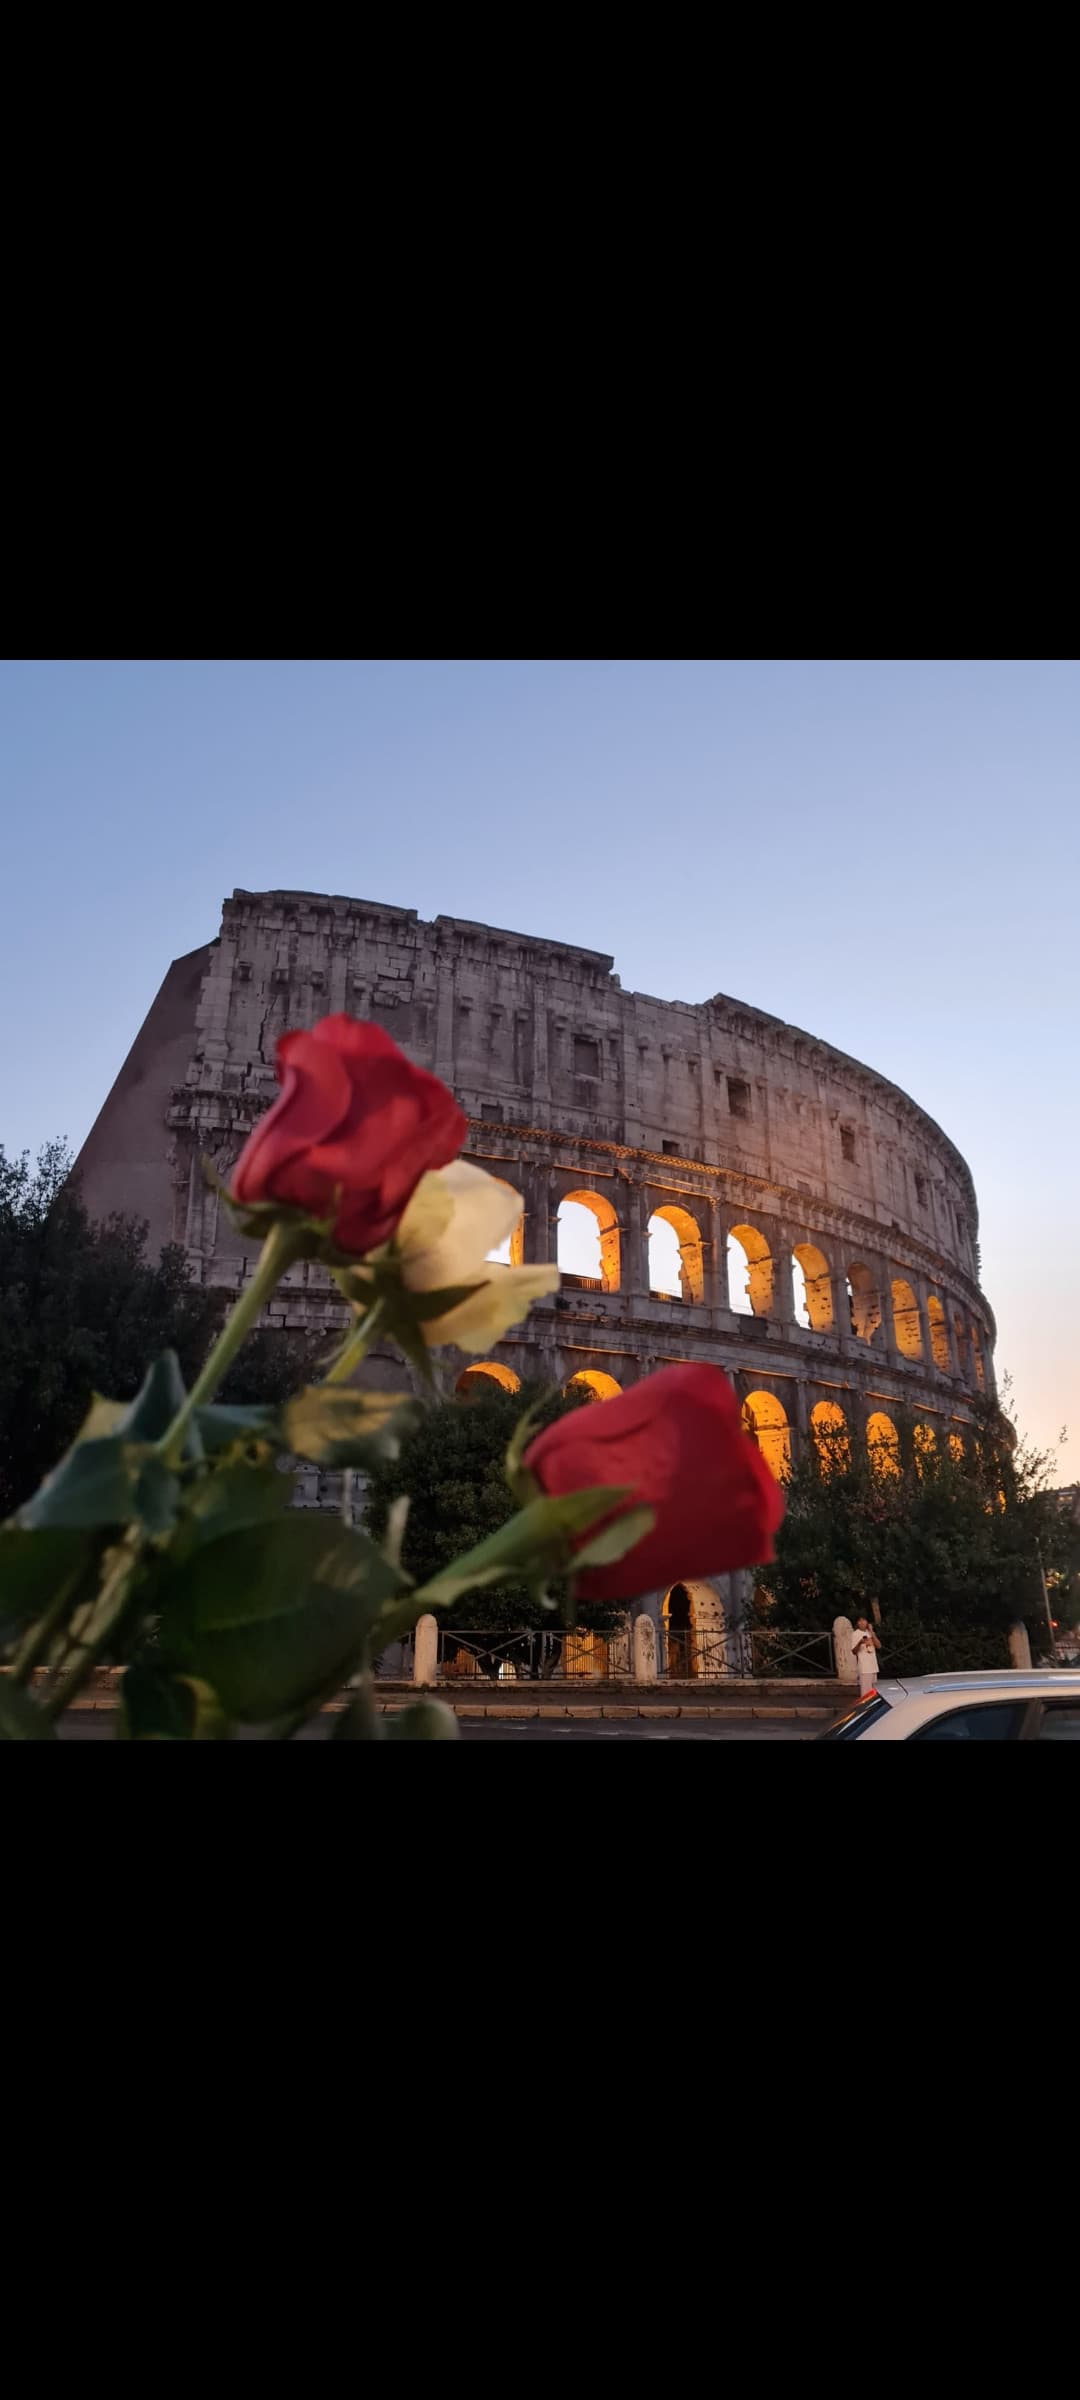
(1007, 1679)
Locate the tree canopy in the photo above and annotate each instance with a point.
(452, 1466)
(82, 1309)
(947, 1550)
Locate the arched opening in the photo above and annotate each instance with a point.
(939, 1332)
(675, 1263)
(594, 1383)
(750, 1272)
(812, 1288)
(678, 1614)
(829, 1428)
(960, 1344)
(956, 1448)
(587, 1242)
(694, 1626)
(883, 1444)
(475, 1381)
(865, 1305)
(924, 1441)
(905, 1317)
(977, 1358)
(766, 1420)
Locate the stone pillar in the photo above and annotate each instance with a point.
(426, 1650)
(644, 1641)
(634, 1213)
(782, 1304)
(1019, 1647)
(883, 1272)
(843, 1640)
(532, 1183)
(841, 1304)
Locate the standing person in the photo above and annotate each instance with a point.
(866, 1646)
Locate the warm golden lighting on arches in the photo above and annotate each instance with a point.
(750, 1271)
(939, 1332)
(956, 1448)
(475, 1380)
(905, 1312)
(688, 1236)
(829, 1428)
(883, 1444)
(924, 1440)
(606, 1268)
(977, 1358)
(817, 1286)
(593, 1381)
(765, 1418)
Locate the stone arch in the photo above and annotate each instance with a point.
(865, 1303)
(817, 1286)
(749, 1259)
(765, 1417)
(960, 1343)
(829, 1428)
(593, 1381)
(939, 1332)
(956, 1449)
(695, 1622)
(472, 1381)
(924, 1443)
(905, 1314)
(603, 1214)
(977, 1359)
(687, 1233)
(882, 1443)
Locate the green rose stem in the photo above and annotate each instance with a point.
(284, 1244)
(358, 1344)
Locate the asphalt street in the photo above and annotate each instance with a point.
(96, 1725)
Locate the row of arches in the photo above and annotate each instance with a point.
(766, 1419)
(587, 1250)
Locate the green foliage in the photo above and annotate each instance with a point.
(948, 1550)
(452, 1466)
(81, 1310)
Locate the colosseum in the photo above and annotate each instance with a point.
(715, 1184)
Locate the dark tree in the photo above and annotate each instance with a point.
(82, 1309)
(951, 1551)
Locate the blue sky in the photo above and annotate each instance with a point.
(886, 853)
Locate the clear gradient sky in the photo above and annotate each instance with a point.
(885, 853)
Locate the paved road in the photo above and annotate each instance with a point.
(96, 1725)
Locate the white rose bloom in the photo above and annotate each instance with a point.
(456, 1215)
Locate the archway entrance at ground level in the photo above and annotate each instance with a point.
(694, 1623)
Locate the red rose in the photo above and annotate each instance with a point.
(354, 1119)
(677, 1439)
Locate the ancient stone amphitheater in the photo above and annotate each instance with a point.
(716, 1184)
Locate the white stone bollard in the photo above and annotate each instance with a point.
(1019, 1646)
(843, 1634)
(426, 1650)
(644, 1650)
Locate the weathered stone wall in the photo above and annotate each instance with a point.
(716, 1111)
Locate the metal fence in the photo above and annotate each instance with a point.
(533, 1657)
(689, 1656)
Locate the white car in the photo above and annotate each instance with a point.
(1042, 1705)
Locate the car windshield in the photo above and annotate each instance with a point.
(848, 1728)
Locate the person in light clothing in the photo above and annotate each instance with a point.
(866, 1646)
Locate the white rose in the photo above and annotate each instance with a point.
(456, 1215)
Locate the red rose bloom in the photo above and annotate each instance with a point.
(355, 1120)
(678, 1440)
